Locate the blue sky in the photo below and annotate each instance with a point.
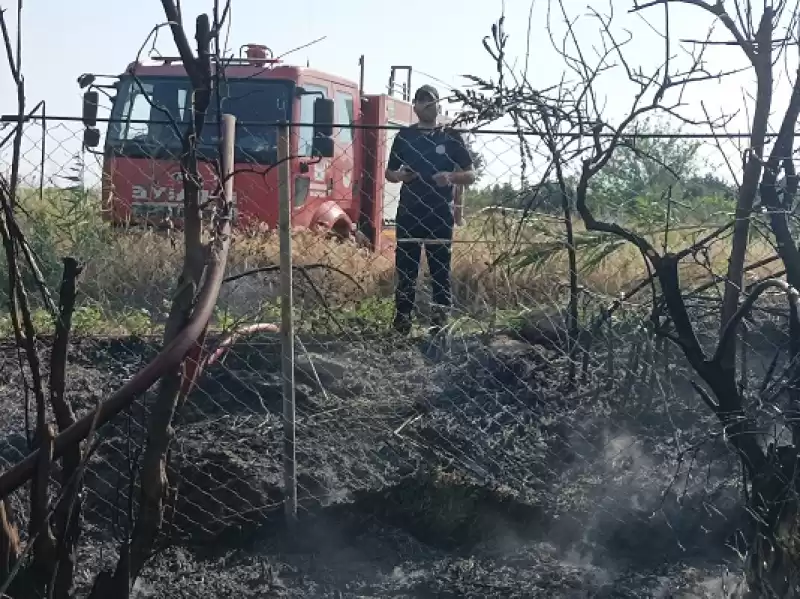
(440, 38)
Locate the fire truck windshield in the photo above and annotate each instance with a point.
(148, 110)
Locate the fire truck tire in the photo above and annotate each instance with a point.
(362, 240)
(331, 217)
(341, 229)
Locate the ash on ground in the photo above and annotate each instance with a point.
(424, 469)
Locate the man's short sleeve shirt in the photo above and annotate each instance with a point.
(427, 152)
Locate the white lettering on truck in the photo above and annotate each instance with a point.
(158, 194)
(163, 202)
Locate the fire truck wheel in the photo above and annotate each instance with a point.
(341, 229)
(362, 240)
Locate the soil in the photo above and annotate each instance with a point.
(425, 469)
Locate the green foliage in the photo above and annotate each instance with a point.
(647, 177)
(91, 320)
(545, 197)
(478, 161)
(57, 222)
(68, 221)
(492, 195)
(226, 321)
(591, 248)
(636, 186)
(370, 313)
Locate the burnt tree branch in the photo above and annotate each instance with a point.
(67, 515)
(154, 480)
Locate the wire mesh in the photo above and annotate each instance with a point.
(497, 427)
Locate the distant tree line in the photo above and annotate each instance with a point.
(641, 183)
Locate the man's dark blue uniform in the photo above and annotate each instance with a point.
(425, 208)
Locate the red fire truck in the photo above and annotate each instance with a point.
(343, 191)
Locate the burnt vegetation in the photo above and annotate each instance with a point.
(591, 450)
(46, 565)
(764, 35)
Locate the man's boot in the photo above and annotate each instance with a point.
(402, 324)
(439, 318)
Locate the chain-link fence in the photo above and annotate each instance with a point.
(552, 458)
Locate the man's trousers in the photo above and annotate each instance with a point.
(436, 235)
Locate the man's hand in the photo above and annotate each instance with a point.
(443, 179)
(404, 175)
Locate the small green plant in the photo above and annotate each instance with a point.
(372, 310)
(88, 319)
(42, 322)
(224, 320)
(139, 323)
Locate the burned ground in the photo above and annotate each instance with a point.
(464, 471)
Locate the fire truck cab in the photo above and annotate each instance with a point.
(336, 186)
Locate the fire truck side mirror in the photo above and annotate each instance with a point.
(91, 99)
(322, 147)
(322, 144)
(86, 80)
(91, 137)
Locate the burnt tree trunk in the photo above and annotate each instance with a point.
(154, 480)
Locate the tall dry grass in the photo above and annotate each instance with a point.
(500, 265)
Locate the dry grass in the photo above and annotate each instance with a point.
(498, 266)
(491, 270)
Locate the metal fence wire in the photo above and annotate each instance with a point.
(493, 432)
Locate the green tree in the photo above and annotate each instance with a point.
(478, 161)
(504, 195)
(634, 185)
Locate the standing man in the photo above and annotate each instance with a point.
(429, 161)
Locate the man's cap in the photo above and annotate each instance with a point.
(426, 90)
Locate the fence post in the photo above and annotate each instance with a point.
(287, 326)
(227, 154)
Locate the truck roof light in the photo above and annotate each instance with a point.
(258, 54)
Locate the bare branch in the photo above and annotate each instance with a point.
(15, 74)
(717, 9)
(181, 41)
(729, 332)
